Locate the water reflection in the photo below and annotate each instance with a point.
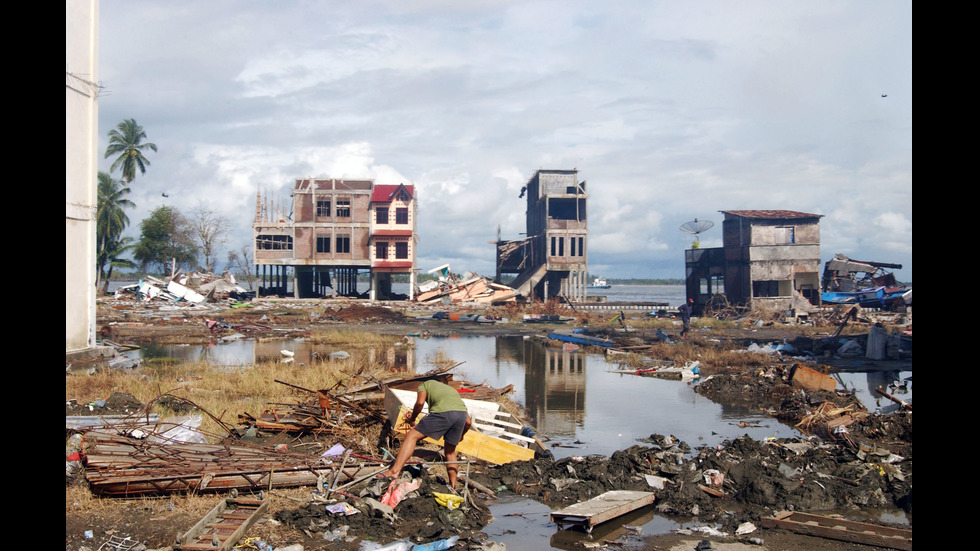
(243, 352)
(554, 383)
(575, 400)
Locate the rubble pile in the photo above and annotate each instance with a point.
(451, 289)
(195, 288)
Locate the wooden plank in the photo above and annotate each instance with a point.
(602, 508)
(501, 433)
(803, 376)
(841, 530)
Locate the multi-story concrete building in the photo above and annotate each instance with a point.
(81, 180)
(338, 229)
(552, 260)
(768, 258)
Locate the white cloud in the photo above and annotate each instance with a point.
(670, 111)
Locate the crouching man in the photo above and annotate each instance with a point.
(447, 419)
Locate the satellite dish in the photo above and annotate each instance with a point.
(697, 227)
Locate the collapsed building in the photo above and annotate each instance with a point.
(841, 274)
(552, 260)
(769, 259)
(336, 230)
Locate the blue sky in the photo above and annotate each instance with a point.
(670, 111)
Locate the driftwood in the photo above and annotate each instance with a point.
(898, 401)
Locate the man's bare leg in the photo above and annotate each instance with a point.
(408, 447)
(452, 469)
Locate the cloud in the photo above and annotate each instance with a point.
(670, 111)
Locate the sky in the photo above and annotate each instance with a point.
(670, 111)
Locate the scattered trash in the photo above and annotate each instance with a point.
(440, 545)
(401, 545)
(745, 528)
(398, 489)
(449, 501)
(342, 508)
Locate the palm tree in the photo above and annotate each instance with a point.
(110, 221)
(126, 141)
(112, 256)
(110, 214)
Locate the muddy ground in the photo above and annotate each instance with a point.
(867, 466)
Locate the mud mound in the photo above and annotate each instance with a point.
(119, 403)
(418, 517)
(801, 474)
(769, 389)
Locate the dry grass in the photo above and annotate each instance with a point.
(225, 392)
(353, 338)
(713, 358)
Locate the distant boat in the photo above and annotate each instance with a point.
(599, 283)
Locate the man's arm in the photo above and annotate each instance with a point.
(419, 404)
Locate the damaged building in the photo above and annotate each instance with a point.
(842, 274)
(769, 259)
(552, 260)
(336, 230)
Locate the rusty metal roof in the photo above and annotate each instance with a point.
(771, 214)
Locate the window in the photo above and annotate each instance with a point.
(381, 250)
(784, 235)
(765, 288)
(401, 250)
(553, 247)
(561, 246)
(401, 216)
(323, 209)
(323, 244)
(274, 242)
(571, 245)
(343, 244)
(343, 208)
(381, 215)
(581, 246)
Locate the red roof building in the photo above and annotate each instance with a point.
(333, 230)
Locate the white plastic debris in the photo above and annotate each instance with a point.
(745, 528)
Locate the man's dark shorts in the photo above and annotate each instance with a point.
(448, 425)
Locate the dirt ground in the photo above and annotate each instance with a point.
(868, 466)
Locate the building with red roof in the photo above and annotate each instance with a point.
(336, 229)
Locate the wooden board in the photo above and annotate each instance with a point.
(223, 526)
(803, 376)
(601, 508)
(840, 529)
